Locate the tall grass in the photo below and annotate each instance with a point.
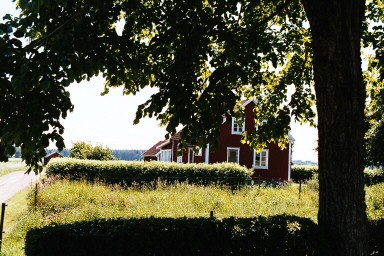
(64, 201)
(375, 201)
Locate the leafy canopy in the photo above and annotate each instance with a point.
(203, 55)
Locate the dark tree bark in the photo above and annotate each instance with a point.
(336, 28)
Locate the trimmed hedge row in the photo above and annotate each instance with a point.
(279, 235)
(305, 173)
(373, 177)
(139, 172)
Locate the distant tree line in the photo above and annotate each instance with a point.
(304, 162)
(130, 155)
(120, 154)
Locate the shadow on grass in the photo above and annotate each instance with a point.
(277, 235)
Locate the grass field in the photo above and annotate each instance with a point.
(13, 165)
(65, 202)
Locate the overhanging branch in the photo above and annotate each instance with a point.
(278, 10)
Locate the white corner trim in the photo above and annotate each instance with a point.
(289, 160)
(207, 154)
(249, 101)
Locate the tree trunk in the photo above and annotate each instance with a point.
(336, 28)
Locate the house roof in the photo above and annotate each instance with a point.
(246, 102)
(54, 154)
(154, 149)
(177, 136)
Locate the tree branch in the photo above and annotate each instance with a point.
(39, 42)
(278, 10)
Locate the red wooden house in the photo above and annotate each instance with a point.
(50, 156)
(271, 163)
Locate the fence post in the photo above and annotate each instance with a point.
(300, 189)
(2, 223)
(36, 191)
(211, 214)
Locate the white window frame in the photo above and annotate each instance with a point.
(162, 154)
(199, 151)
(238, 153)
(237, 131)
(266, 159)
(180, 159)
(262, 123)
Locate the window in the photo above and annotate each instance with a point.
(262, 123)
(198, 151)
(261, 159)
(233, 155)
(165, 155)
(237, 128)
(191, 155)
(179, 153)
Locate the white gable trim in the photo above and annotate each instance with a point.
(291, 138)
(163, 144)
(249, 101)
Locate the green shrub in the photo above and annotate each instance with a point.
(303, 172)
(376, 237)
(84, 150)
(278, 235)
(306, 173)
(373, 177)
(139, 172)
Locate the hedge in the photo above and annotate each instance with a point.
(279, 235)
(305, 173)
(140, 172)
(373, 177)
(276, 235)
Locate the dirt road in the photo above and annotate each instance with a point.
(14, 182)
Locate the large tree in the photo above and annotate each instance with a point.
(204, 56)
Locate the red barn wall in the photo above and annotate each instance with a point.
(227, 139)
(278, 160)
(200, 159)
(277, 164)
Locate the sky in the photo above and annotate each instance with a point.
(108, 120)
